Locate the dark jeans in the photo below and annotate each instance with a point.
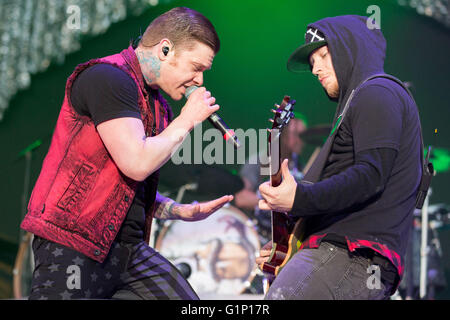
(329, 272)
(130, 271)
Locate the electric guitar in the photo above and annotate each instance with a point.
(287, 234)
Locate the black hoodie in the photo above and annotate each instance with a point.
(356, 50)
(365, 192)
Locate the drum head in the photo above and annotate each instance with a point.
(217, 255)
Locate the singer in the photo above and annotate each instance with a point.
(92, 206)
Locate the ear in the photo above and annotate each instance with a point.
(164, 49)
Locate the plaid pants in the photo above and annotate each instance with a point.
(130, 271)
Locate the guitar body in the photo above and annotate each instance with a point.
(287, 240)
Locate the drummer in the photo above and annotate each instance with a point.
(291, 147)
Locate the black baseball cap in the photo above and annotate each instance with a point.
(298, 61)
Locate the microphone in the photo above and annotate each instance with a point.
(218, 123)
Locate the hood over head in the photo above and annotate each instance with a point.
(356, 51)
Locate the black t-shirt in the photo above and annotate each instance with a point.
(104, 92)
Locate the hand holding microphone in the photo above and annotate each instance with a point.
(217, 121)
(199, 107)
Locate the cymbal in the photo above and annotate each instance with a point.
(217, 181)
(316, 135)
(211, 180)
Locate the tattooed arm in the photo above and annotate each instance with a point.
(164, 208)
(168, 209)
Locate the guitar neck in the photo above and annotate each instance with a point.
(281, 226)
(275, 163)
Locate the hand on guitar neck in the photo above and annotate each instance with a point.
(281, 198)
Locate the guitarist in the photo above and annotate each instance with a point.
(358, 204)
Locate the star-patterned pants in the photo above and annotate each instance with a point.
(130, 271)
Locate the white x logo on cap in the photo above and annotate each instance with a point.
(314, 35)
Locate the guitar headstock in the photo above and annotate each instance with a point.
(282, 115)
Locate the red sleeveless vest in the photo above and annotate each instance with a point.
(81, 198)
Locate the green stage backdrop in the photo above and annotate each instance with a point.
(248, 76)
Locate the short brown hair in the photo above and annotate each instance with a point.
(182, 26)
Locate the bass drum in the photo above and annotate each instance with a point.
(216, 255)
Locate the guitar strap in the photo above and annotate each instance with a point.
(314, 173)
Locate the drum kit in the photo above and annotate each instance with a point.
(217, 255)
(424, 268)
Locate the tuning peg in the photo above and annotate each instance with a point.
(271, 120)
(270, 130)
(273, 110)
